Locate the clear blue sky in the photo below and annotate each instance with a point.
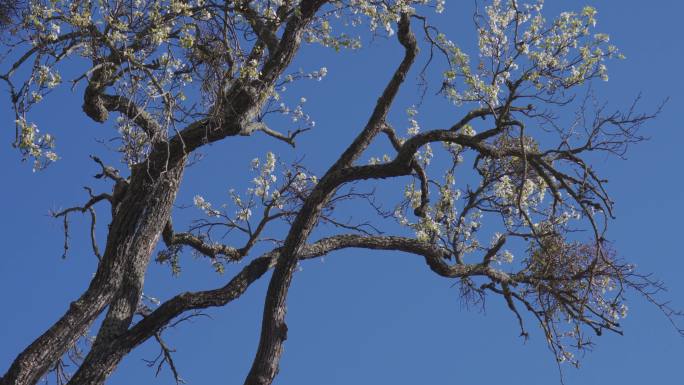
(364, 317)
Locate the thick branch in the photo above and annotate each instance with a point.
(274, 330)
(245, 98)
(133, 112)
(261, 29)
(187, 239)
(150, 325)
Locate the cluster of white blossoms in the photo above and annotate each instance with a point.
(321, 33)
(64, 27)
(266, 177)
(45, 77)
(373, 160)
(205, 206)
(265, 191)
(516, 42)
(424, 155)
(453, 220)
(243, 207)
(134, 141)
(414, 127)
(160, 50)
(317, 75)
(294, 181)
(243, 214)
(531, 193)
(612, 307)
(250, 70)
(441, 222)
(504, 189)
(297, 114)
(378, 15)
(502, 257)
(34, 145)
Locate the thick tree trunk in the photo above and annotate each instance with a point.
(138, 220)
(158, 193)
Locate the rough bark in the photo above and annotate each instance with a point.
(132, 236)
(245, 100)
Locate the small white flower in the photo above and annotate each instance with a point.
(244, 214)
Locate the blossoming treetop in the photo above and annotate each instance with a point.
(174, 76)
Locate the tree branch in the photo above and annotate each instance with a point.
(211, 250)
(149, 326)
(274, 329)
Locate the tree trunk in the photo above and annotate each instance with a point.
(137, 222)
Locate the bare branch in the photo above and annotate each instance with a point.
(211, 250)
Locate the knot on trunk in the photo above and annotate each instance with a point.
(94, 106)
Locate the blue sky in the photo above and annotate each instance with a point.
(364, 317)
